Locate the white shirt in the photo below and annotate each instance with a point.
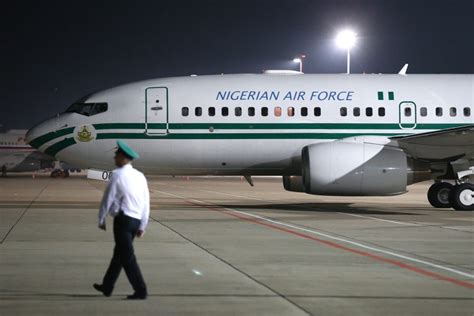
(127, 191)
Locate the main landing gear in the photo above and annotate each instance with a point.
(445, 195)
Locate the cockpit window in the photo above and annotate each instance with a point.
(87, 109)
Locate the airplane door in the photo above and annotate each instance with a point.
(156, 110)
(407, 113)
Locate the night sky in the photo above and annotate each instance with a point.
(54, 52)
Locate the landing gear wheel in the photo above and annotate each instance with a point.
(55, 173)
(439, 193)
(462, 197)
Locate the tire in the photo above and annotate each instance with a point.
(462, 197)
(439, 195)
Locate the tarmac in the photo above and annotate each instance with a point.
(216, 246)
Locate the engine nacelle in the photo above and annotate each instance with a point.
(354, 168)
(293, 183)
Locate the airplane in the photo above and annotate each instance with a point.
(17, 156)
(325, 134)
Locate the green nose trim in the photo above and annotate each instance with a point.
(54, 149)
(43, 139)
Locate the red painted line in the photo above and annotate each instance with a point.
(10, 148)
(397, 263)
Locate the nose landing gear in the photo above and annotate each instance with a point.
(58, 173)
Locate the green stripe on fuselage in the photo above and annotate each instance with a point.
(103, 126)
(238, 135)
(57, 147)
(43, 139)
(275, 127)
(247, 126)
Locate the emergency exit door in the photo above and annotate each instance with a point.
(156, 110)
(407, 112)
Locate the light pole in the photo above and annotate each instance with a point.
(346, 39)
(299, 60)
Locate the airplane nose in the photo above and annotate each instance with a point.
(34, 134)
(31, 135)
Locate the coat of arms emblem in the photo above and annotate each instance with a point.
(84, 134)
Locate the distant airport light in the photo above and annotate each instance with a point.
(346, 39)
(299, 60)
(281, 72)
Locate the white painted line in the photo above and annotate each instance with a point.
(171, 194)
(240, 196)
(347, 241)
(391, 253)
(314, 208)
(381, 219)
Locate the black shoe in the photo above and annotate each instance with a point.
(136, 296)
(100, 288)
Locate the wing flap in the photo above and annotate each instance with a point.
(444, 145)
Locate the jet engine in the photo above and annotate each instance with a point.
(359, 168)
(293, 183)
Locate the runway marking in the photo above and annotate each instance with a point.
(345, 213)
(315, 208)
(342, 213)
(285, 227)
(382, 220)
(261, 283)
(28, 207)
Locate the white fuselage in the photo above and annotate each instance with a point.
(250, 124)
(17, 156)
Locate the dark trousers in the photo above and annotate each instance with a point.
(125, 230)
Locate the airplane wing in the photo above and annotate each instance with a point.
(444, 145)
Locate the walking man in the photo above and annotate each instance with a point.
(127, 199)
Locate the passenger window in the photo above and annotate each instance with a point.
(198, 111)
(185, 111)
(304, 111)
(467, 111)
(439, 111)
(452, 111)
(356, 112)
(264, 111)
(277, 111)
(238, 111)
(343, 111)
(225, 111)
(211, 111)
(423, 111)
(369, 111)
(317, 111)
(291, 111)
(407, 112)
(381, 111)
(251, 111)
